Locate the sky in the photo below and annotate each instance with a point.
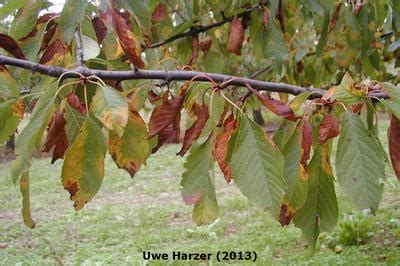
(58, 5)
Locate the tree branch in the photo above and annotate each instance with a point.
(198, 29)
(178, 75)
(79, 45)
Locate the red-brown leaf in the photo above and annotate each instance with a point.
(236, 36)
(394, 145)
(127, 39)
(195, 50)
(285, 215)
(205, 45)
(11, 46)
(153, 97)
(160, 13)
(328, 129)
(335, 17)
(56, 136)
(75, 103)
(221, 147)
(54, 51)
(49, 34)
(99, 28)
(193, 133)
(266, 16)
(169, 134)
(165, 114)
(306, 143)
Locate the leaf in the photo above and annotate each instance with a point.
(25, 21)
(205, 45)
(160, 13)
(90, 48)
(220, 151)
(359, 163)
(31, 135)
(320, 211)
(8, 120)
(132, 149)
(394, 144)
(306, 143)
(257, 166)
(72, 14)
(393, 103)
(10, 6)
(328, 129)
(335, 16)
(128, 40)
(195, 50)
(111, 109)
(193, 133)
(99, 28)
(56, 137)
(11, 46)
(236, 36)
(83, 168)
(75, 120)
(54, 54)
(8, 86)
(197, 184)
(347, 93)
(26, 205)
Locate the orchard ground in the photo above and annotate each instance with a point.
(146, 213)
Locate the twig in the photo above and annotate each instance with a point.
(180, 75)
(79, 50)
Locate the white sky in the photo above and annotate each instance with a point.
(58, 5)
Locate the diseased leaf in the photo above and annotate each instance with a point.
(83, 168)
(8, 85)
(56, 137)
(111, 109)
(26, 205)
(257, 166)
(25, 20)
(220, 151)
(205, 45)
(54, 54)
(99, 28)
(132, 149)
(72, 14)
(197, 184)
(195, 50)
(394, 145)
(8, 120)
(328, 129)
(347, 92)
(320, 211)
(359, 163)
(11, 46)
(306, 142)
(236, 36)
(160, 13)
(193, 133)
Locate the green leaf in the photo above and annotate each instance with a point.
(31, 46)
(257, 166)
(26, 205)
(74, 123)
(72, 14)
(111, 109)
(90, 47)
(393, 104)
(10, 6)
(8, 85)
(132, 149)
(83, 168)
(25, 20)
(320, 211)
(8, 121)
(31, 135)
(359, 163)
(275, 45)
(347, 93)
(197, 183)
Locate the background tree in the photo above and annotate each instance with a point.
(91, 83)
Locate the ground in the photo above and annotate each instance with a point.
(146, 213)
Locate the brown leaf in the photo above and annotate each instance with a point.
(328, 129)
(266, 16)
(42, 19)
(394, 145)
(221, 147)
(160, 13)
(74, 102)
(54, 52)
(48, 35)
(306, 143)
(332, 23)
(193, 133)
(11, 46)
(56, 136)
(127, 39)
(19, 108)
(205, 45)
(195, 50)
(169, 134)
(281, 16)
(236, 36)
(285, 215)
(99, 28)
(153, 97)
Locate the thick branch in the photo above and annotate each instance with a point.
(178, 75)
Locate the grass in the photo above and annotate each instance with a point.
(129, 216)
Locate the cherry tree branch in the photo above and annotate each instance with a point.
(79, 50)
(176, 75)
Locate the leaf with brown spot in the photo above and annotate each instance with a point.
(193, 133)
(11, 46)
(205, 45)
(169, 134)
(165, 114)
(220, 151)
(266, 16)
(160, 13)
(19, 108)
(54, 53)
(127, 39)
(286, 214)
(74, 102)
(195, 50)
(328, 129)
(26, 205)
(83, 168)
(236, 36)
(132, 149)
(99, 28)
(394, 145)
(56, 136)
(306, 143)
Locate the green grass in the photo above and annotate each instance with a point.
(146, 213)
